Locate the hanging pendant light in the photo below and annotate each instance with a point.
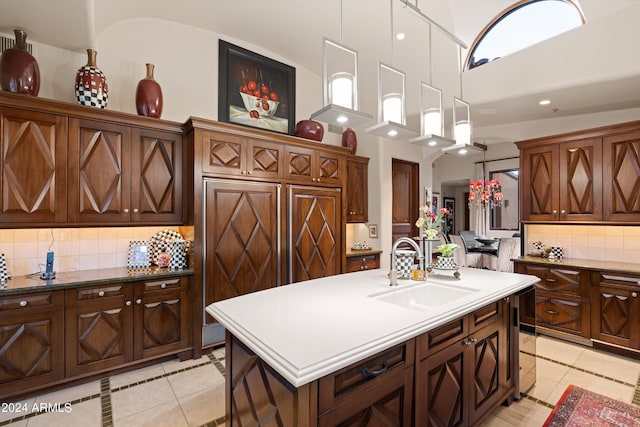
(462, 128)
(391, 100)
(431, 114)
(340, 85)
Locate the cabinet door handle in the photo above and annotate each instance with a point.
(634, 294)
(506, 299)
(243, 172)
(101, 293)
(126, 210)
(135, 210)
(128, 303)
(138, 301)
(164, 285)
(249, 173)
(555, 211)
(366, 373)
(563, 211)
(23, 303)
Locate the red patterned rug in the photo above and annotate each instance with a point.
(579, 407)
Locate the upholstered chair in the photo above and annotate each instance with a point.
(508, 248)
(462, 257)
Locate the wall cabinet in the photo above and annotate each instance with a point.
(308, 165)
(33, 180)
(616, 309)
(357, 189)
(31, 342)
(562, 298)
(109, 325)
(65, 164)
(122, 174)
(463, 368)
(586, 176)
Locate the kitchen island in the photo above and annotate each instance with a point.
(336, 349)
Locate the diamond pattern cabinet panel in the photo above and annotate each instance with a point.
(315, 233)
(621, 176)
(539, 183)
(33, 169)
(242, 223)
(161, 317)
(314, 166)
(615, 311)
(563, 314)
(265, 160)
(99, 172)
(489, 365)
(156, 176)
(581, 180)
(31, 342)
(99, 333)
(223, 153)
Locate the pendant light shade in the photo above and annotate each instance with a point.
(340, 87)
(431, 119)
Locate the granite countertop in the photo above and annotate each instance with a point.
(587, 264)
(69, 279)
(362, 252)
(310, 329)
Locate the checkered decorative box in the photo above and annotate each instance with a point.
(446, 263)
(4, 276)
(162, 242)
(404, 263)
(178, 250)
(557, 251)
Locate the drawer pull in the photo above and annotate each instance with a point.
(128, 303)
(101, 293)
(138, 301)
(366, 373)
(550, 280)
(607, 295)
(164, 285)
(135, 210)
(552, 312)
(634, 294)
(126, 210)
(23, 303)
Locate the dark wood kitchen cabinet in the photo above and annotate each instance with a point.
(119, 173)
(464, 368)
(563, 298)
(33, 180)
(586, 176)
(32, 341)
(615, 309)
(311, 165)
(357, 189)
(110, 325)
(362, 262)
(238, 156)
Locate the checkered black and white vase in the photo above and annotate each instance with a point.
(404, 263)
(178, 250)
(91, 84)
(4, 275)
(445, 262)
(557, 251)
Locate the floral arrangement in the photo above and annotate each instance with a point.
(447, 249)
(429, 222)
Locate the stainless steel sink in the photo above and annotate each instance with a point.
(425, 296)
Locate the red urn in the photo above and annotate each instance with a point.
(149, 95)
(309, 129)
(19, 71)
(350, 140)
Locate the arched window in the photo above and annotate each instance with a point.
(525, 23)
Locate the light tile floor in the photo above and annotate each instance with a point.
(191, 393)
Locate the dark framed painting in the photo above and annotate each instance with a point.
(450, 220)
(255, 91)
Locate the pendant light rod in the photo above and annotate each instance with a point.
(418, 12)
(340, 21)
(391, 28)
(430, 58)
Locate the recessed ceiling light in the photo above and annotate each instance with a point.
(400, 36)
(545, 102)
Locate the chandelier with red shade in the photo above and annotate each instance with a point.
(485, 193)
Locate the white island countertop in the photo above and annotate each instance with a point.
(310, 329)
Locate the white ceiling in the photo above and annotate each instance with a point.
(294, 29)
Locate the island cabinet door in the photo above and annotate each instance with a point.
(615, 310)
(315, 232)
(99, 328)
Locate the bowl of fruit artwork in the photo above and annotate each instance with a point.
(258, 98)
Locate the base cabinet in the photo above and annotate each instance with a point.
(452, 375)
(363, 262)
(31, 342)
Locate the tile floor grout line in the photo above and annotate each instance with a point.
(636, 393)
(105, 403)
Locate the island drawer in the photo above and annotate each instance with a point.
(563, 280)
(441, 337)
(571, 315)
(26, 302)
(349, 382)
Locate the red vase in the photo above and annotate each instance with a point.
(19, 71)
(350, 140)
(149, 95)
(91, 83)
(309, 129)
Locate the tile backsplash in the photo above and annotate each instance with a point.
(75, 248)
(597, 242)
